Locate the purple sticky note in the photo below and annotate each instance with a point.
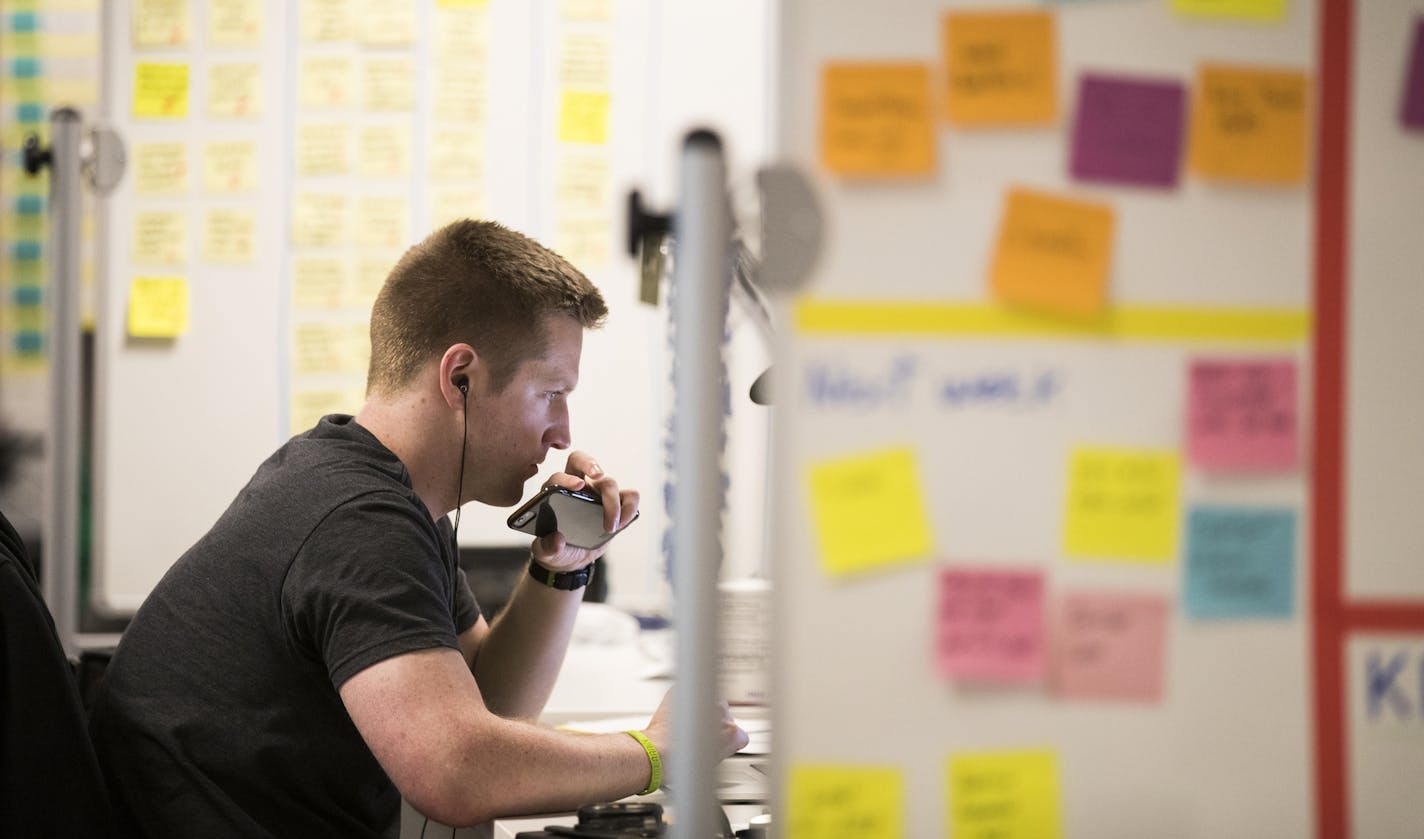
(991, 625)
(1412, 111)
(1128, 130)
(1241, 415)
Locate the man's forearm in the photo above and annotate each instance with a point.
(520, 658)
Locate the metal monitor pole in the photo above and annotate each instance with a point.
(68, 164)
(701, 268)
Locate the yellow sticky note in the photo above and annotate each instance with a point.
(583, 117)
(323, 149)
(583, 182)
(161, 23)
(323, 21)
(585, 60)
(309, 405)
(390, 84)
(319, 220)
(383, 221)
(235, 90)
(875, 120)
(160, 167)
(1013, 793)
(1122, 504)
(460, 95)
(1250, 124)
(456, 155)
(229, 236)
(326, 81)
(1053, 253)
(230, 166)
(371, 273)
(1002, 68)
(387, 23)
(160, 90)
(462, 4)
(384, 151)
(160, 237)
(447, 205)
(234, 23)
(845, 802)
(852, 498)
(158, 307)
(318, 283)
(1243, 9)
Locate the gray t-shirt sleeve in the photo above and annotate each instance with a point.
(370, 583)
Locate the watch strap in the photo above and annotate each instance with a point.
(562, 580)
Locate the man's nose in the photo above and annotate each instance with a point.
(557, 436)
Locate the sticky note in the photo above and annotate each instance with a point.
(327, 20)
(1411, 110)
(876, 120)
(460, 98)
(383, 151)
(869, 511)
(1122, 504)
(230, 166)
(585, 60)
(229, 236)
(1263, 10)
(1241, 415)
(583, 181)
(383, 221)
(318, 283)
(991, 625)
(158, 307)
(1128, 130)
(160, 237)
(387, 24)
(1240, 563)
(582, 239)
(161, 23)
(390, 84)
(583, 117)
(1004, 794)
(1002, 68)
(1053, 253)
(1110, 645)
(845, 802)
(323, 149)
(319, 220)
(1250, 124)
(447, 205)
(326, 81)
(234, 91)
(455, 155)
(309, 405)
(160, 167)
(160, 90)
(234, 23)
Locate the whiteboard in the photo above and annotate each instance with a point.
(1230, 745)
(182, 423)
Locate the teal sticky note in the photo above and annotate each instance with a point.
(29, 205)
(25, 249)
(25, 68)
(28, 295)
(24, 22)
(29, 112)
(1240, 563)
(29, 342)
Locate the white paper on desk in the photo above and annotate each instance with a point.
(758, 729)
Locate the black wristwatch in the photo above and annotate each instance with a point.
(562, 580)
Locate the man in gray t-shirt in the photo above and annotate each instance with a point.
(318, 654)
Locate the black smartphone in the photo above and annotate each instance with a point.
(576, 514)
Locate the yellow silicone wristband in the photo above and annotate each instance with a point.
(654, 760)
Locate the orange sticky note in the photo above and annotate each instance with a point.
(875, 119)
(1053, 253)
(1250, 124)
(1002, 67)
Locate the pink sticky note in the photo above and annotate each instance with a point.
(1110, 646)
(991, 625)
(1241, 415)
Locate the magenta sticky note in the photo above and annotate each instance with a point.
(1110, 645)
(1241, 415)
(1128, 130)
(1411, 112)
(991, 625)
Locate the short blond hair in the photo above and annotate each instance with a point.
(480, 283)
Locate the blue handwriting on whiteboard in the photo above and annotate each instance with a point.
(1000, 388)
(836, 386)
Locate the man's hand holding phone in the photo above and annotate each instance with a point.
(619, 508)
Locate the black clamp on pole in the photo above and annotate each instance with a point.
(647, 242)
(36, 158)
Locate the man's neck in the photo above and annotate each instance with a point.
(416, 435)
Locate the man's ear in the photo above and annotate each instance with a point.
(459, 372)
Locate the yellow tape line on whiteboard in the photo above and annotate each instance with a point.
(851, 317)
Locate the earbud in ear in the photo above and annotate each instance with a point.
(463, 384)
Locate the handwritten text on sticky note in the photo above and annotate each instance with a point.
(1122, 504)
(845, 802)
(1053, 253)
(1110, 645)
(876, 121)
(160, 90)
(991, 625)
(1240, 563)
(1242, 415)
(1250, 124)
(869, 511)
(1006, 794)
(1128, 130)
(158, 307)
(1002, 67)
